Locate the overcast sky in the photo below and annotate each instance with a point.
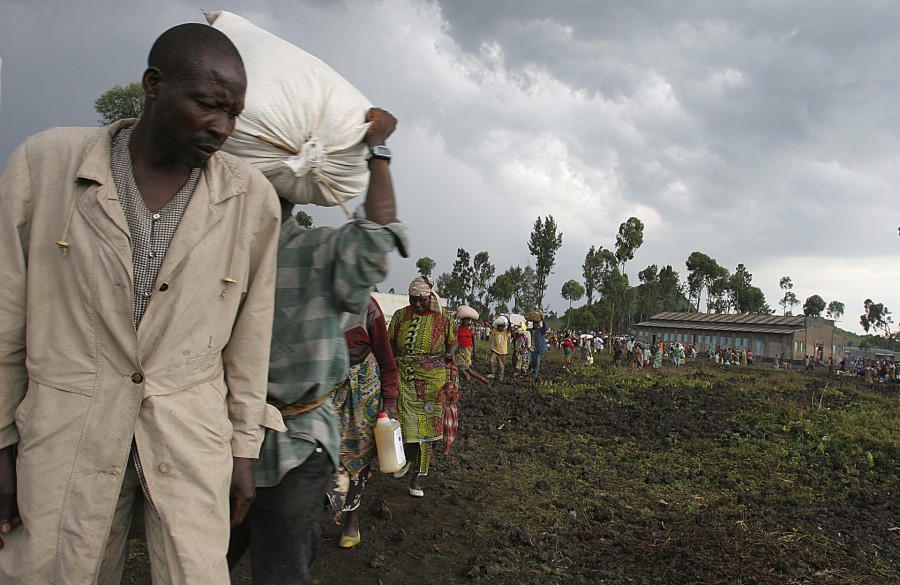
(765, 133)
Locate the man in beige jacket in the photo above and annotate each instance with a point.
(136, 311)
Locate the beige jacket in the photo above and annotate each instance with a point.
(77, 382)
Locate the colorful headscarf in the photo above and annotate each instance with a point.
(423, 286)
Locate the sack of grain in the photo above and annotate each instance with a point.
(464, 312)
(535, 316)
(302, 124)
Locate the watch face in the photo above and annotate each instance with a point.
(381, 152)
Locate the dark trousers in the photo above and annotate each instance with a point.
(284, 523)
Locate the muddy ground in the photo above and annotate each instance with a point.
(708, 475)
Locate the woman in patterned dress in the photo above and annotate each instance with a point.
(370, 386)
(423, 340)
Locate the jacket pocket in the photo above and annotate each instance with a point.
(25, 409)
(217, 409)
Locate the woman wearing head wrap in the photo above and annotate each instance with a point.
(423, 340)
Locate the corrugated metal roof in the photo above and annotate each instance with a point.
(790, 321)
(724, 322)
(735, 328)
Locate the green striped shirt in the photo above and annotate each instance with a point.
(322, 273)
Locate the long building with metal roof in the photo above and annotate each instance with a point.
(767, 336)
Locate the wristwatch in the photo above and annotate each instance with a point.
(379, 151)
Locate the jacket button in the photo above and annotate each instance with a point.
(165, 468)
(137, 377)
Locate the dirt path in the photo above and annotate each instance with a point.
(698, 476)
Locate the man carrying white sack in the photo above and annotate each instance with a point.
(141, 264)
(322, 273)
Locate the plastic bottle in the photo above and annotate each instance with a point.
(389, 444)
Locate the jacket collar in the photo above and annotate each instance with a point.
(220, 173)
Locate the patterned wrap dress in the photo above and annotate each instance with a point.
(422, 342)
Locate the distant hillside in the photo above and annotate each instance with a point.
(854, 340)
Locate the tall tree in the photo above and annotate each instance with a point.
(451, 288)
(425, 265)
(717, 292)
(482, 273)
(629, 239)
(531, 296)
(876, 317)
(614, 289)
(592, 273)
(523, 279)
(671, 296)
(544, 242)
(501, 291)
(702, 272)
(788, 302)
(456, 284)
(462, 271)
(120, 102)
(835, 310)
(814, 306)
(737, 287)
(571, 291)
(753, 302)
(789, 299)
(648, 293)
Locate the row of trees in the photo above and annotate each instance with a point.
(611, 302)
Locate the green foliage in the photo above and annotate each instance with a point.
(703, 272)
(581, 319)
(629, 239)
(120, 102)
(835, 310)
(660, 290)
(789, 300)
(501, 291)
(304, 219)
(482, 273)
(425, 265)
(572, 291)
(456, 285)
(524, 282)
(876, 317)
(591, 270)
(543, 244)
(814, 306)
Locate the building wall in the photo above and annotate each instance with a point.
(763, 345)
(793, 345)
(819, 340)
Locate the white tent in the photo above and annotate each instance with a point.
(389, 303)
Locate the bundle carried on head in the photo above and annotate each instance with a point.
(466, 312)
(500, 321)
(534, 316)
(303, 124)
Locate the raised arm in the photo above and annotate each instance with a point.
(380, 205)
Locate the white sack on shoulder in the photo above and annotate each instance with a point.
(297, 101)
